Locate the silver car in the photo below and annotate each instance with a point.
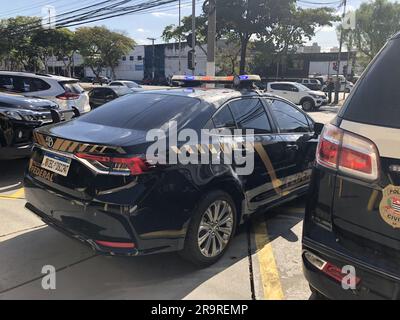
(66, 92)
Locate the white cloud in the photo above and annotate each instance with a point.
(140, 30)
(163, 14)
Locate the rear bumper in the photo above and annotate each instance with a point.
(375, 284)
(323, 237)
(93, 222)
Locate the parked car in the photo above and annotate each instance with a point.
(19, 116)
(101, 95)
(87, 79)
(91, 178)
(351, 241)
(101, 80)
(129, 84)
(312, 84)
(298, 94)
(65, 92)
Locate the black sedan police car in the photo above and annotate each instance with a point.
(90, 177)
(19, 116)
(351, 241)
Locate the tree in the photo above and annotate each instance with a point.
(17, 45)
(291, 31)
(245, 19)
(227, 57)
(55, 42)
(101, 47)
(376, 22)
(272, 21)
(173, 32)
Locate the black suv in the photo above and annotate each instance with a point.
(351, 241)
(19, 116)
(90, 177)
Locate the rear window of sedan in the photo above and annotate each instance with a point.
(145, 111)
(376, 99)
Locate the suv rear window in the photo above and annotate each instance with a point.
(144, 111)
(376, 99)
(72, 87)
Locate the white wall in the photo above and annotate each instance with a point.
(126, 70)
(172, 61)
(326, 67)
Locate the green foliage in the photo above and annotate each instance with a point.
(376, 22)
(275, 25)
(16, 43)
(289, 32)
(23, 47)
(101, 47)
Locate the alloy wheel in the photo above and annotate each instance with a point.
(216, 228)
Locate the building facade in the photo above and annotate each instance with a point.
(165, 61)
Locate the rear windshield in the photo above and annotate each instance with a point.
(145, 111)
(376, 100)
(72, 86)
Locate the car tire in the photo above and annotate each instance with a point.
(205, 242)
(308, 105)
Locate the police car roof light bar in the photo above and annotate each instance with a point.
(210, 79)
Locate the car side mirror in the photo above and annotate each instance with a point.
(318, 127)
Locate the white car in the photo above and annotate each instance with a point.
(298, 94)
(133, 86)
(66, 92)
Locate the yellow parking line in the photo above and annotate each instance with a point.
(19, 194)
(268, 269)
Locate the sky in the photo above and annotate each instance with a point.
(144, 25)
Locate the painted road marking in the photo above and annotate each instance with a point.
(268, 269)
(18, 195)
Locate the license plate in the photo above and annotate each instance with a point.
(56, 164)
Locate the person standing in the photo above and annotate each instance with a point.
(330, 87)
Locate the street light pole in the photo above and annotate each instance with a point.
(180, 37)
(153, 58)
(194, 29)
(211, 37)
(338, 84)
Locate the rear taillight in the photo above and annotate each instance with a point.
(68, 96)
(329, 269)
(115, 165)
(348, 153)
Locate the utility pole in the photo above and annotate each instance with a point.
(211, 37)
(194, 29)
(153, 58)
(337, 86)
(180, 37)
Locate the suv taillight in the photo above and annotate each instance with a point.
(68, 96)
(348, 153)
(128, 166)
